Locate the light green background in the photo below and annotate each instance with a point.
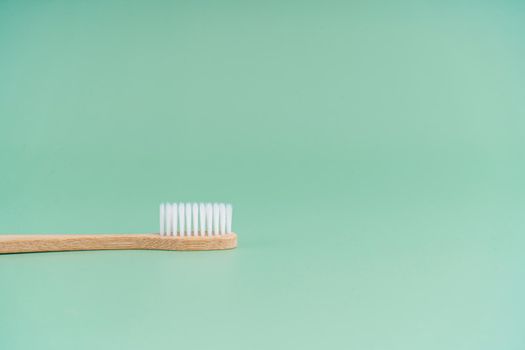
(373, 151)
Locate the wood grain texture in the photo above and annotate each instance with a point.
(53, 243)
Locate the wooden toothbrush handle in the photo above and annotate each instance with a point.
(55, 243)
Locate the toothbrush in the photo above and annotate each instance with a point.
(183, 226)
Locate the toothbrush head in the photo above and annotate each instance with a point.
(196, 226)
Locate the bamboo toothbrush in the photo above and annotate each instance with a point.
(183, 226)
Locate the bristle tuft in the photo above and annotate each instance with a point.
(229, 212)
(182, 220)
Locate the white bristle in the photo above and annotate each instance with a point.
(229, 214)
(209, 218)
(215, 219)
(174, 217)
(188, 219)
(168, 219)
(162, 211)
(195, 219)
(202, 219)
(195, 213)
(182, 217)
(222, 215)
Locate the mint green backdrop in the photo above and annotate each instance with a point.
(373, 151)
